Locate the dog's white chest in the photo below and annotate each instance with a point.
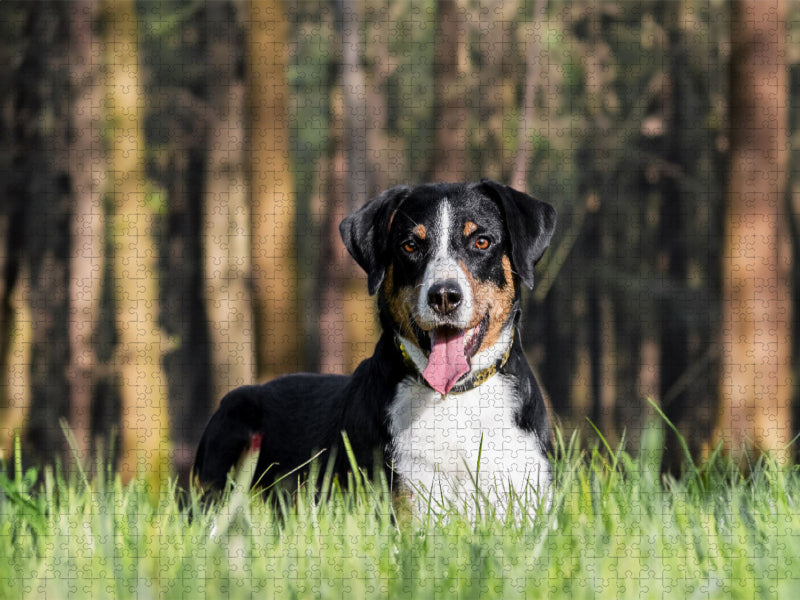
(437, 442)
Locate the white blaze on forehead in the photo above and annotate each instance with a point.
(444, 230)
(443, 266)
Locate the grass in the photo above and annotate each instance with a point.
(615, 530)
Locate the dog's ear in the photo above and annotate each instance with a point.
(530, 224)
(365, 233)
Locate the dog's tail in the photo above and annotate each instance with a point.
(227, 443)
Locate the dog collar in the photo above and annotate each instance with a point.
(474, 380)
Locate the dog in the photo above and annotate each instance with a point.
(447, 403)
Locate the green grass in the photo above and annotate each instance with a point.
(615, 530)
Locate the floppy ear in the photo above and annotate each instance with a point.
(530, 224)
(365, 233)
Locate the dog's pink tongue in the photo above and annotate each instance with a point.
(447, 362)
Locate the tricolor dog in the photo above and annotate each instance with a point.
(447, 401)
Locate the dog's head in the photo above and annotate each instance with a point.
(447, 260)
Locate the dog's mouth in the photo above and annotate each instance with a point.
(449, 351)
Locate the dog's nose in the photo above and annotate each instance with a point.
(445, 297)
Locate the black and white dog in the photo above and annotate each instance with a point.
(448, 399)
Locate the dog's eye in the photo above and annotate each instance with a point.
(482, 243)
(410, 247)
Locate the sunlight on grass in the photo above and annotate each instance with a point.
(616, 529)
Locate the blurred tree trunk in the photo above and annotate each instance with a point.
(43, 191)
(182, 309)
(384, 161)
(15, 392)
(360, 128)
(276, 314)
(334, 260)
(793, 210)
(12, 299)
(519, 174)
(15, 321)
(145, 446)
(178, 118)
(354, 98)
(348, 328)
(602, 340)
(451, 93)
(494, 81)
(673, 253)
(756, 383)
(87, 222)
(226, 210)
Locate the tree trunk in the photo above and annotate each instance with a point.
(226, 210)
(673, 328)
(351, 326)
(277, 325)
(334, 260)
(354, 98)
(14, 326)
(756, 383)
(451, 93)
(87, 222)
(793, 209)
(519, 176)
(43, 183)
(145, 421)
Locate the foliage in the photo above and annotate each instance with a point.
(616, 530)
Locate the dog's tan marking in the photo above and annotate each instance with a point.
(420, 231)
(400, 302)
(508, 272)
(498, 302)
(469, 228)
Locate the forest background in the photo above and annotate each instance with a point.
(173, 173)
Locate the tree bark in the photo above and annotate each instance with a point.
(334, 266)
(673, 323)
(451, 93)
(145, 445)
(14, 327)
(756, 383)
(226, 210)
(86, 166)
(276, 315)
(43, 183)
(348, 327)
(519, 175)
